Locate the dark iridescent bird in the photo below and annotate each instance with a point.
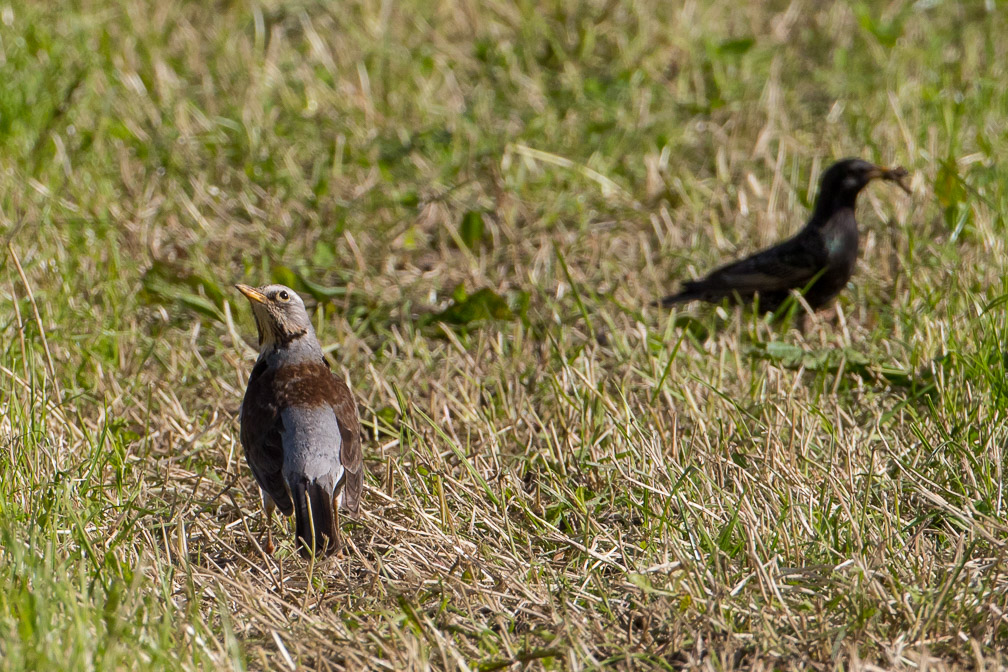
(818, 260)
(299, 424)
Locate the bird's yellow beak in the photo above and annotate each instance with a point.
(251, 293)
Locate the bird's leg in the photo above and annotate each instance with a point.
(268, 506)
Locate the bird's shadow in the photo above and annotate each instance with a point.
(768, 336)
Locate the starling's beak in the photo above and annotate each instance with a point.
(896, 175)
(251, 293)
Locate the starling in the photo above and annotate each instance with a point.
(817, 261)
(299, 424)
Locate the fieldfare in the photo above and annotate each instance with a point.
(299, 424)
(817, 261)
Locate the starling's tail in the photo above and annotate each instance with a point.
(687, 293)
(320, 519)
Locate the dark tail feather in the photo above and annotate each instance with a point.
(687, 294)
(321, 519)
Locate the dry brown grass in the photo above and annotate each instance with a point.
(586, 482)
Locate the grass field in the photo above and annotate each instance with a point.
(481, 200)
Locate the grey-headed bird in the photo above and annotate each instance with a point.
(299, 424)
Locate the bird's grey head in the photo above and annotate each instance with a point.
(280, 315)
(846, 178)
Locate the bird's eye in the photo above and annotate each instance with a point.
(283, 295)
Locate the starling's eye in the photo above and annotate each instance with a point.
(283, 295)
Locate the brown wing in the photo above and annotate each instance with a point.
(261, 429)
(303, 384)
(345, 407)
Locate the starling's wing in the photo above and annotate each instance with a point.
(261, 436)
(791, 265)
(345, 408)
(779, 268)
